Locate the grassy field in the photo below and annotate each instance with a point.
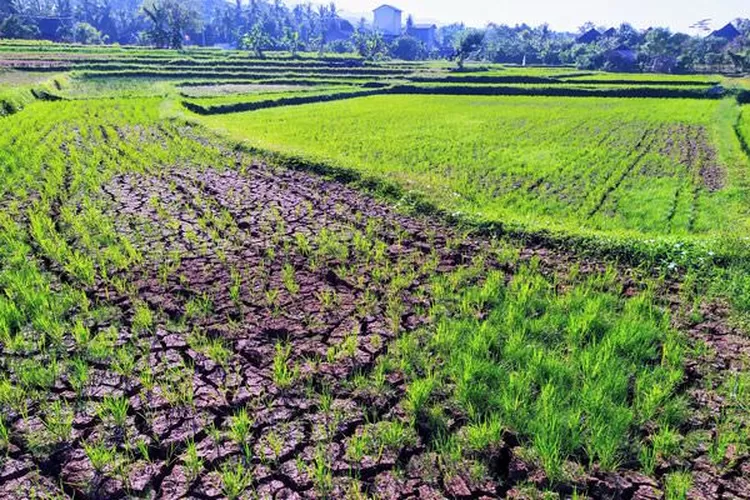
(181, 316)
(648, 167)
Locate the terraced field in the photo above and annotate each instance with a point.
(390, 296)
(649, 166)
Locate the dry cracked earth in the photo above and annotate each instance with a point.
(272, 292)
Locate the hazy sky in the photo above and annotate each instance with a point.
(563, 14)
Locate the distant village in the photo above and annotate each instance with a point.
(265, 25)
(387, 20)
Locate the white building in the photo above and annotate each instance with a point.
(388, 20)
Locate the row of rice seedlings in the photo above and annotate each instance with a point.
(541, 163)
(66, 224)
(581, 376)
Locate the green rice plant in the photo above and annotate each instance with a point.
(11, 395)
(240, 429)
(102, 346)
(33, 375)
(198, 307)
(321, 473)
(100, 455)
(275, 443)
(350, 343)
(82, 267)
(330, 247)
(52, 329)
(325, 401)
(143, 318)
(358, 447)
(677, 485)
(730, 433)
(418, 395)
(666, 442)
(235, 479)
(554, 367)
(78, 375)
(581, 182)
(329, 299)
(124, 362)
(484, 435)
(58, 421)
(449, 450)
(177, 387)
(303, 244)
(114, 408)
(4, 436)
(289, 279)
(193, 462)
(235, 288)
(272, 298)
(217, 351)
(394, 311)
(284, 375)
(394, 435)
(143, 449)
(647, 457)
(550, 429)
(146, 378)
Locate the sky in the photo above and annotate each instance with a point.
(562, 15)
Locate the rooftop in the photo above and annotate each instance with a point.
(728, 32)
(386, 6)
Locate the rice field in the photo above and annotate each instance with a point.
(395, 295)
(636, 166)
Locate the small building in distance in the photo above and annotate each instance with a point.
(425, 33)
(387, 20)
(728, 33)
(590, 36)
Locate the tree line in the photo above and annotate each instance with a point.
(263, 25)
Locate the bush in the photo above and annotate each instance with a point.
(88, 35)
(407, 48)
(18, 27)
(340, 47)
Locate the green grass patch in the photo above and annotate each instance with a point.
(614, 166)
(565, 364)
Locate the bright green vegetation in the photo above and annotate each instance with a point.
(259, 96)
(197, 90)
(610, 165)
(10, 79)
(225, 90)
(646, 77)
(582, 374)
(17, 88)
(592, 84)
(93, 88)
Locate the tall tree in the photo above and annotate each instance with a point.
(467, 45)
(7, 9)
(170, 21)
